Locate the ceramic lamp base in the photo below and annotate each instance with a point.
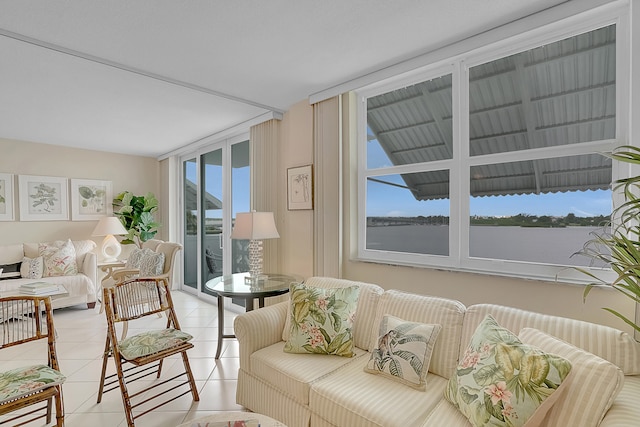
(110, 249)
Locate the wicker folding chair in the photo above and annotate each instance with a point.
(141, 355)
(24, 319)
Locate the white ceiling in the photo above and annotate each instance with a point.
(146, 77)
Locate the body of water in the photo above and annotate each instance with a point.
(543, 245)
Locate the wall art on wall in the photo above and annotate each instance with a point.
(300, 188)
(6, 197)
(90, 199)
(43, 198)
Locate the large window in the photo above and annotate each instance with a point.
(492, 163)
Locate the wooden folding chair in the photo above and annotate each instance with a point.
(131, 301)
(24, 319)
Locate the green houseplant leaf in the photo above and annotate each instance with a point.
(136, 214)
(618, 245)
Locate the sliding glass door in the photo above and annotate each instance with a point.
(215, 186)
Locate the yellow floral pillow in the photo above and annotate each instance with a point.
(501, 381)
(322, 320)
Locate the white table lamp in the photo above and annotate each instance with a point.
(255, 227)
(108, 226)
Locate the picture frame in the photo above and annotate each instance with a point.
(43, 198)
(300, 188)
(91, 199)
(6, 197)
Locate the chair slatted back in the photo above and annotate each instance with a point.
(21, 319)
(28, 318)
(136, 298)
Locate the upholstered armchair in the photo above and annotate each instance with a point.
(151, 270)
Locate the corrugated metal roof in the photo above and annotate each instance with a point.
(558, 94)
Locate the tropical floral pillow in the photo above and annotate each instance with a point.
(501, 381)
(152, 342)
(404, 351)
(322, 320)
(29, 379)
(59, 258)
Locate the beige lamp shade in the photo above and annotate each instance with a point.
(255, 227)
(108, 227)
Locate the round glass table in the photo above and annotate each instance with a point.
(243, 286)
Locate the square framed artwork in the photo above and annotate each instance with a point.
(300, 188)
(43, 198)
(6, 197)
(90, 199)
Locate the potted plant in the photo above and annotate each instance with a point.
(136, 214)
(618, 246)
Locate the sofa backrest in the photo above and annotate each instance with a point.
(10, 254)
(426, 309)
(368, 298)
(82, 247)
(611, 344)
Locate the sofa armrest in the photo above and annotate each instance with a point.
(258, 329)
(90, 268)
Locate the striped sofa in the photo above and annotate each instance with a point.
(321, 391)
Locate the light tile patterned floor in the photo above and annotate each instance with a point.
(80, 343)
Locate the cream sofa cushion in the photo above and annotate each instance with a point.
(592, 386)
(293, 373)
(350, 397)
(426, 309)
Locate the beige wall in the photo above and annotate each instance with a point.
(296, 241)
(134, 173)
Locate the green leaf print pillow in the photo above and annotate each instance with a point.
(403, 351)
(500, 381)
(322, 320)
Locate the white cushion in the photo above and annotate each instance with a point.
(293, 374)
(592, 386)
(10, 254)
(350, 397)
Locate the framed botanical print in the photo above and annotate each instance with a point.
(43, 198)
(300, 188)
(90, 199)
(6, 197)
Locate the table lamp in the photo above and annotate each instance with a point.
(108, 226)
(255, 227)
